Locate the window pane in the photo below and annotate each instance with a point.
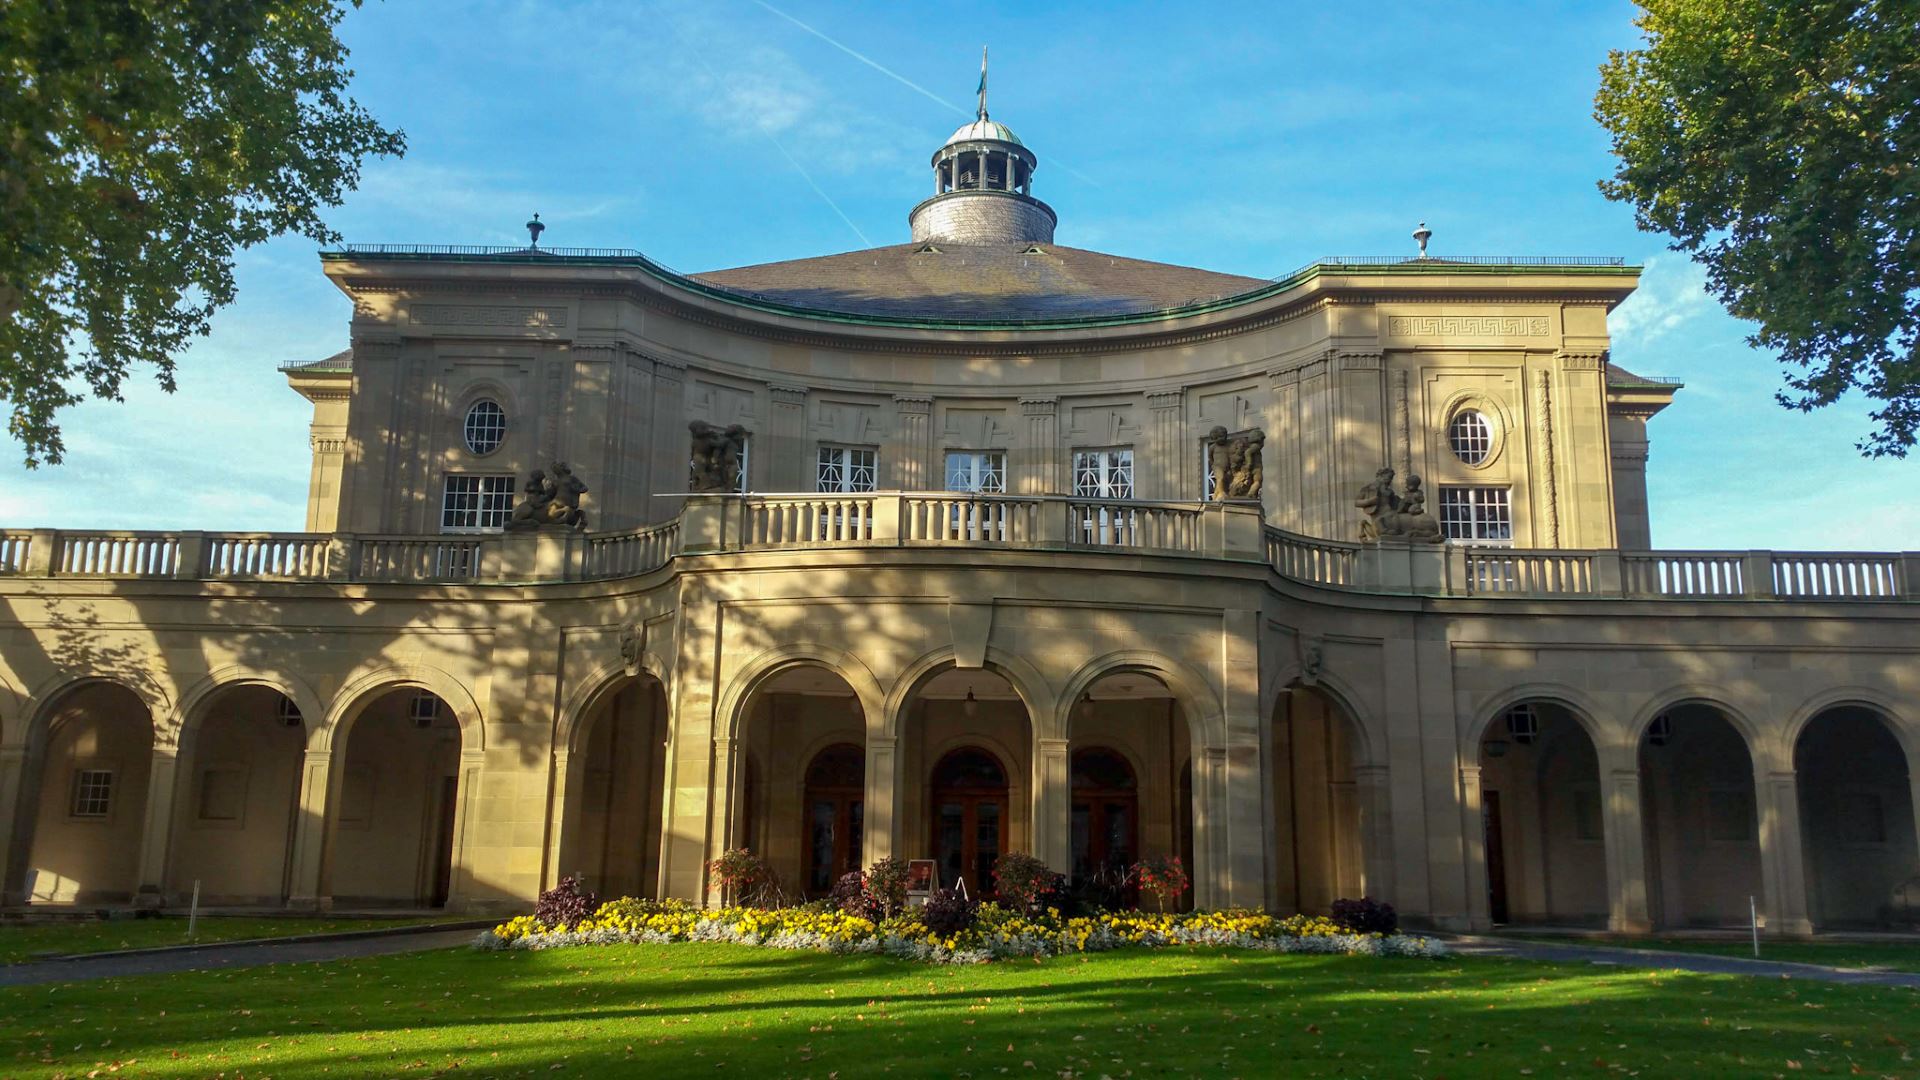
(1476, 513)
(92, 792)
(471, 502)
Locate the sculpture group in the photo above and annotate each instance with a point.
(1391, 515)
(1233, 463)
(552, 497)
(716, 456)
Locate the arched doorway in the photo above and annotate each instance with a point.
(798, 708)
(835, 820)
(1857, 823)
(1319, 808)
(616, 772)
(1699, 813)
(1541, 815)
(1118, 814)
(89, 763)
(970, 817)
(965, 751)
(394, 804)
(239, 798)
(1105, 824)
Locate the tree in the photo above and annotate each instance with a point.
(1778, 144)
(142, 143)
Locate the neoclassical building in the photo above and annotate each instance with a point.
(967, 588)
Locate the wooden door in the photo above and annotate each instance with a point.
(834, 817)
(969, 819)
(1496, 856)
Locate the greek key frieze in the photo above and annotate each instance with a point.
(1467, 326)
(487, 315)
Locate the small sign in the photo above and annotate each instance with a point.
(923, 877)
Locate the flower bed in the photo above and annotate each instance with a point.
(996, 933)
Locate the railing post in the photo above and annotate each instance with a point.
(341, 549)
(1757, 575)
(190, 557)
(1908, 587)
(887, 512)
(1457, 583)
(43, 553)
(1056, 523)
(1606, 574)
(707, 524)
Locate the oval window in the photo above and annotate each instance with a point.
(1471, 436)
(486, 426)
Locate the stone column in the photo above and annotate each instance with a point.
(912, 467)
(157, 830)
(460, 878)
(881, 799)
(1473, 831)
(1376, 826)
(789, 468)
(310, 831)
(14, 837)
(1037, 467)
(551, 870)
(1782, 862)
(1625, 838)
(721, 826)
(1170, 463)
(1052, 804)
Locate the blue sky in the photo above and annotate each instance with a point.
(1248, 139)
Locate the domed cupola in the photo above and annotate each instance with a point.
(983, 187)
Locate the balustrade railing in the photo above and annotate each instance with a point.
(943, 519)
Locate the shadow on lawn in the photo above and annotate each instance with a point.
(690, 1009)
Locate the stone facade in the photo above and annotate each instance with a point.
(1080, 656)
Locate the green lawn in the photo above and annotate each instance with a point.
(23, 940)
(723, 1010)
(1873, 956)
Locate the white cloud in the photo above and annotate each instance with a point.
(1673, 291)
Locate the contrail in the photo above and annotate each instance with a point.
(870, 62)
(777, 145)
(909, 83)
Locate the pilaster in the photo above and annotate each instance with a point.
(1166, 411)
(157, 830)
(788, 458)
(1625, 836)
(1782, 860)
(310, 831)
(1052, 804)
(913, 467)
(1037, 468)
(879, 836)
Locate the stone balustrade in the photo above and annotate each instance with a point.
(712, 524)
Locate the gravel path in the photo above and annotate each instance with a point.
(1683, 961)
(222, 957)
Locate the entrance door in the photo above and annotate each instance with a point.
(969, 818)
(835, 812)
(1496, 857)
(1106, 825)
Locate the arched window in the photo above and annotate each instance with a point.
(969, 817)
(486, 426)
(835, 815)
(1105, 823)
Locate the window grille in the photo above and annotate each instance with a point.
(982, 472)
(486, 426)
(1104, 474)
(845, 468)
(423, 708)
(92, 792)
(287, 712)
(1471, 436)
(1476, 514)
(1660, 732)
(472, 502)
(1523, 723)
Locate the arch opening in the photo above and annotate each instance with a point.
(967, 745)
(1857, 823)
(616, 778)
(84, 804)
(1129, 744)
(1700, 817)
(393, 809)
(238, 804)
(1320, 811)
(1541, 814)
(789, 721)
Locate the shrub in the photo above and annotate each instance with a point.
(1163, 877)
(743, 876)
(1365, 916)
(1023, 880)
(887, 884)
(850, 895)
(566, 904)
(947, 913)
